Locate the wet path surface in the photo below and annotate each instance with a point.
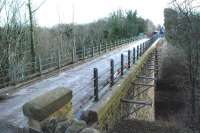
(78, 79)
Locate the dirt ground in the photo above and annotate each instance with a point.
(134, 126)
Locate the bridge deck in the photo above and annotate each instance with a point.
(79, 79)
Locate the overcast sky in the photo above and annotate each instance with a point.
(61, 11)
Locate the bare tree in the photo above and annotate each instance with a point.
(31, 34)
(183, 30)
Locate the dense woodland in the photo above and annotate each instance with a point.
(23, 41)
(181, 63)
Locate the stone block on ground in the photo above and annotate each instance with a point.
(45, 105)
(55, 104)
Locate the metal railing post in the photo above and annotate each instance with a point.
(129, 59)
(133, 55)
(122, 64)
(96, 90)
(137, 52)
(111, 72)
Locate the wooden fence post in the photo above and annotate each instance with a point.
(111, 72)
(40, 65)
(96, 91)
(73, 55)
(59, 58)
(84, 52)
(106, 47)
(92, 51)
(118, 43)
(99, 48)
(110, 45)
(122, 64)
(35, 63)
(129, 59)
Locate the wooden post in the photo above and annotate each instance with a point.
(73, 55)
(14, 76)
(99, 48)
(40, 65)
(36, 63)
(106, 47)
(122, 64)
(111, 72)
(84, 52)
(129, 59)
(59, 58)
(92, 51)
(133, 55)
(117, 43)
(96, 91)
(109, 47)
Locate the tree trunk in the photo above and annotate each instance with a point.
(31, 36)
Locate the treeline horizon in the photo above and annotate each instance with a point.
(119, 24)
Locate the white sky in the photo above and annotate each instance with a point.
(61, 11)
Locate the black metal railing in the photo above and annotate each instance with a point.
(118, 70)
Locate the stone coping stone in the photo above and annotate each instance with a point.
(43, 106)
